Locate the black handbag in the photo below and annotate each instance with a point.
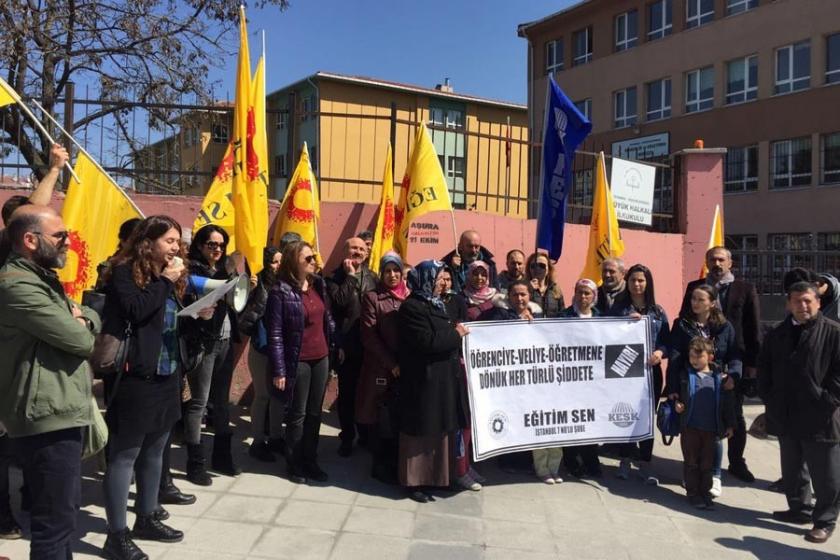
(110, 357)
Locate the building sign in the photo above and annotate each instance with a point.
(645, 147)
(632, 189)
(424, 232)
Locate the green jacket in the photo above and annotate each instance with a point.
(45, 379)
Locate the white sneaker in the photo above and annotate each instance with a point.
(647, 478)
(468, 483)
(717, 487)
(623, 469)
(548, 479)
(558, 479)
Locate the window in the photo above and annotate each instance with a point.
(791, 249)
(738, 6)
(659, 20)
(790, 164)
(625, 107)
(582, 46)
(436, 116)
(829, 241)
(554, 56)
(585, 107)
(831, 158)
(741, 169)
(280, 165)
(699, 90)
(219, 134)
(626, 30)
(742, 80)
(282, 120)
(745, 257)
(699, 12)
(455, 167)
(308, 108)
(191, 136)
(454, 119)
(793, 67)
(832, 59)
(583, 190)
(658, 100)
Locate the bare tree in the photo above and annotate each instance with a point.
(149, 51)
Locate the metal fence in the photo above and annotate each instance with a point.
(766, 268)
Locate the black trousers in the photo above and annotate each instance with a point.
(738, 442)
(52, 469)
(579, 459)
(6, 459)
(303, 419)
(348, 382)
(823, 471)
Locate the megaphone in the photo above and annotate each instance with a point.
(237, 297)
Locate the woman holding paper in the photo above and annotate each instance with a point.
(430, 386)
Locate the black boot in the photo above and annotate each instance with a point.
(222, 458)
(119, 546)
(170, 494)
(259, 450)
(196, 465)
(149, 528)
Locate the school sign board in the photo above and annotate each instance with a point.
(556, 382)
(632, 186)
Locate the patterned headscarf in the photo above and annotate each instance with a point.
(421, 280)
(477, 297)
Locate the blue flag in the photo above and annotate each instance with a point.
(565, 128)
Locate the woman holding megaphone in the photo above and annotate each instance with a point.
(214, 369)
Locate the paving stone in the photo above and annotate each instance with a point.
(521, 536)
(448, 528)
(264, 485)
(223, 537)
(245, 508)
(526, 511)
(297, 543)
(313, 515)
(377, 521)
(353, 546)
(427, 551)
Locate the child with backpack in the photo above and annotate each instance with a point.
(706, 412)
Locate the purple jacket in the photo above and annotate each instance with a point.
(284, 323)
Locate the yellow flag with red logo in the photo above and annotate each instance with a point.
(93, 212)
(7, 94)
(716, 238)
(604, 236)
(383, 237)
(250, 201)
(301, 207)
(424, 189)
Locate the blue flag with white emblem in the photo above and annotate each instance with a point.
(565, 128)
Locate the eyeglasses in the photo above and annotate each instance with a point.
(60, 236)
(309, 259)
(215, 245)
(541, 266)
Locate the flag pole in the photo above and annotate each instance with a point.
(90, 157)
(455, 232)
(43, 129)
(315, 211)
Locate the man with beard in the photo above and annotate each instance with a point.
(347, 286)
(45, 381)
(612, 284)
(469, 250)
(739, 302)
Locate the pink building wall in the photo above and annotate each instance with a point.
(674, 259)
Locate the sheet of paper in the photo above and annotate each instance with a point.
(208, 300)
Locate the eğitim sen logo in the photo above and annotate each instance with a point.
(498, 424)
(624, 360)
(623, 415)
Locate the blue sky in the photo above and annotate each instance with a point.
(474, 43)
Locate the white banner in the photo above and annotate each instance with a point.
(556, 382)
(632, 184)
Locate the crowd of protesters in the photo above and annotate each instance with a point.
(394, 340)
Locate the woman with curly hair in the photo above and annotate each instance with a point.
(539, 271)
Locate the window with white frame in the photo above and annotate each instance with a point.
(699, 90)
(658, 100)
(742, 79)
(554, 56)
(699, 12)
(436, 115)
(830, 158)
(741, 169)
(219, 134)
(793, 67)
(282, 120)
(582, 46)
(832, 59)
(737, 6)
(585, 107)
(626, 30)
(625, 107)
(454, 119)
(660, 20)
(790, 163)
(582, 193)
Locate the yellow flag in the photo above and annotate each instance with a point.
(7, 94)
(383, 237)
(217, 207)
(300, 210)
(604, 235)
(93, 212)
(715, 238)
(250, 203)
(423, 189)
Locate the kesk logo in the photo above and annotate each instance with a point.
(623, 415)
(624, 360)
(498, 424)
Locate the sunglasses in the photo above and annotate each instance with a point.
(541, 266)
(60, 236)
(309, 259)
(215, 245)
